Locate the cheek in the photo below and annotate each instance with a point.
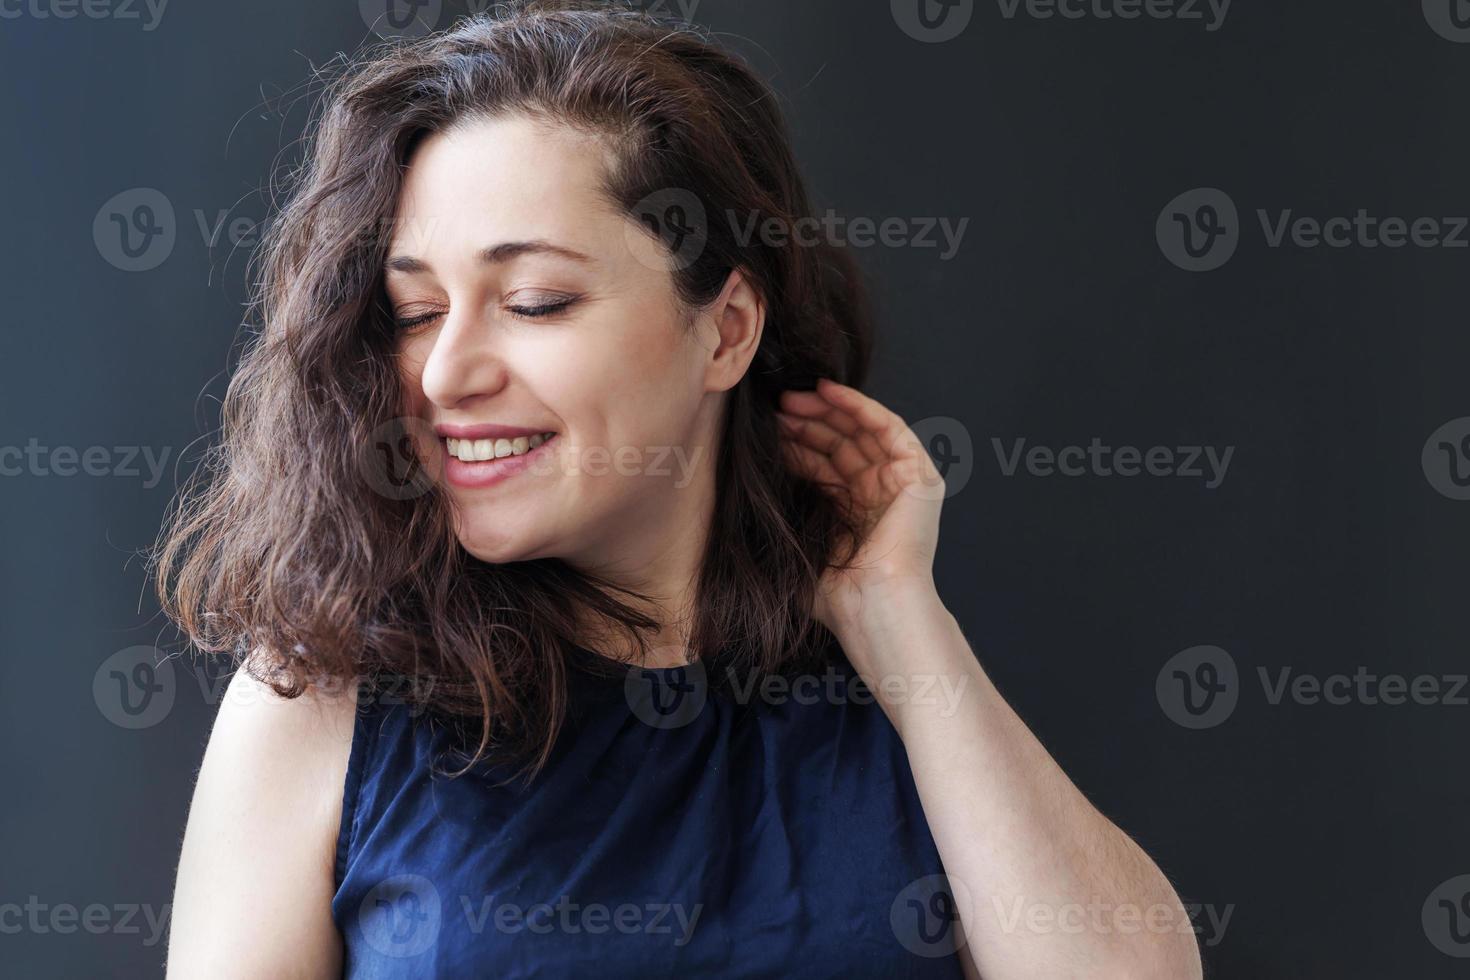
(631, 387)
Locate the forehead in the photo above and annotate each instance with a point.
(491, 179)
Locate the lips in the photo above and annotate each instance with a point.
(486, 430)
(479, 473)
(481, 450)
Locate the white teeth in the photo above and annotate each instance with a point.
(475, 450)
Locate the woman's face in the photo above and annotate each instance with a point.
(528, 305)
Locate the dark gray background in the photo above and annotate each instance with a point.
(1323, 829)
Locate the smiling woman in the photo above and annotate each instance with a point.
(585, 641)
(515, 164)
(515, 339)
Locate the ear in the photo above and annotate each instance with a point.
(733, 322)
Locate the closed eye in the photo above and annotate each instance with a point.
(410, 322)
(539, 310)
(535, 311)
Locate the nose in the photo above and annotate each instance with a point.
(463, 363)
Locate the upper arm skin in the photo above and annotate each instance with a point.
(255, 879)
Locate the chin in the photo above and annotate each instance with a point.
(498, 548)
(497, 553)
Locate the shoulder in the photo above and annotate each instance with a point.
(284, 751)
(254, 718)
(258, 851)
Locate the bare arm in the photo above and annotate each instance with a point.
(255, 885)
(1054, 888)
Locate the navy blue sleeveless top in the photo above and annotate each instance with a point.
(680, 828)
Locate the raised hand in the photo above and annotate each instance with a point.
(871, 461)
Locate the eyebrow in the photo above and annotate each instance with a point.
(494, 254)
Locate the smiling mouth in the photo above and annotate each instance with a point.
(487, 450)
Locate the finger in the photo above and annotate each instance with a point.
(811, 464)
(912, 471)
(810, 404)
(903, 445)
(886, 426)
(866, 442)
(815, 434)
(871, 447)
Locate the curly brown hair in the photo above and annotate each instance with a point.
(279, 552)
